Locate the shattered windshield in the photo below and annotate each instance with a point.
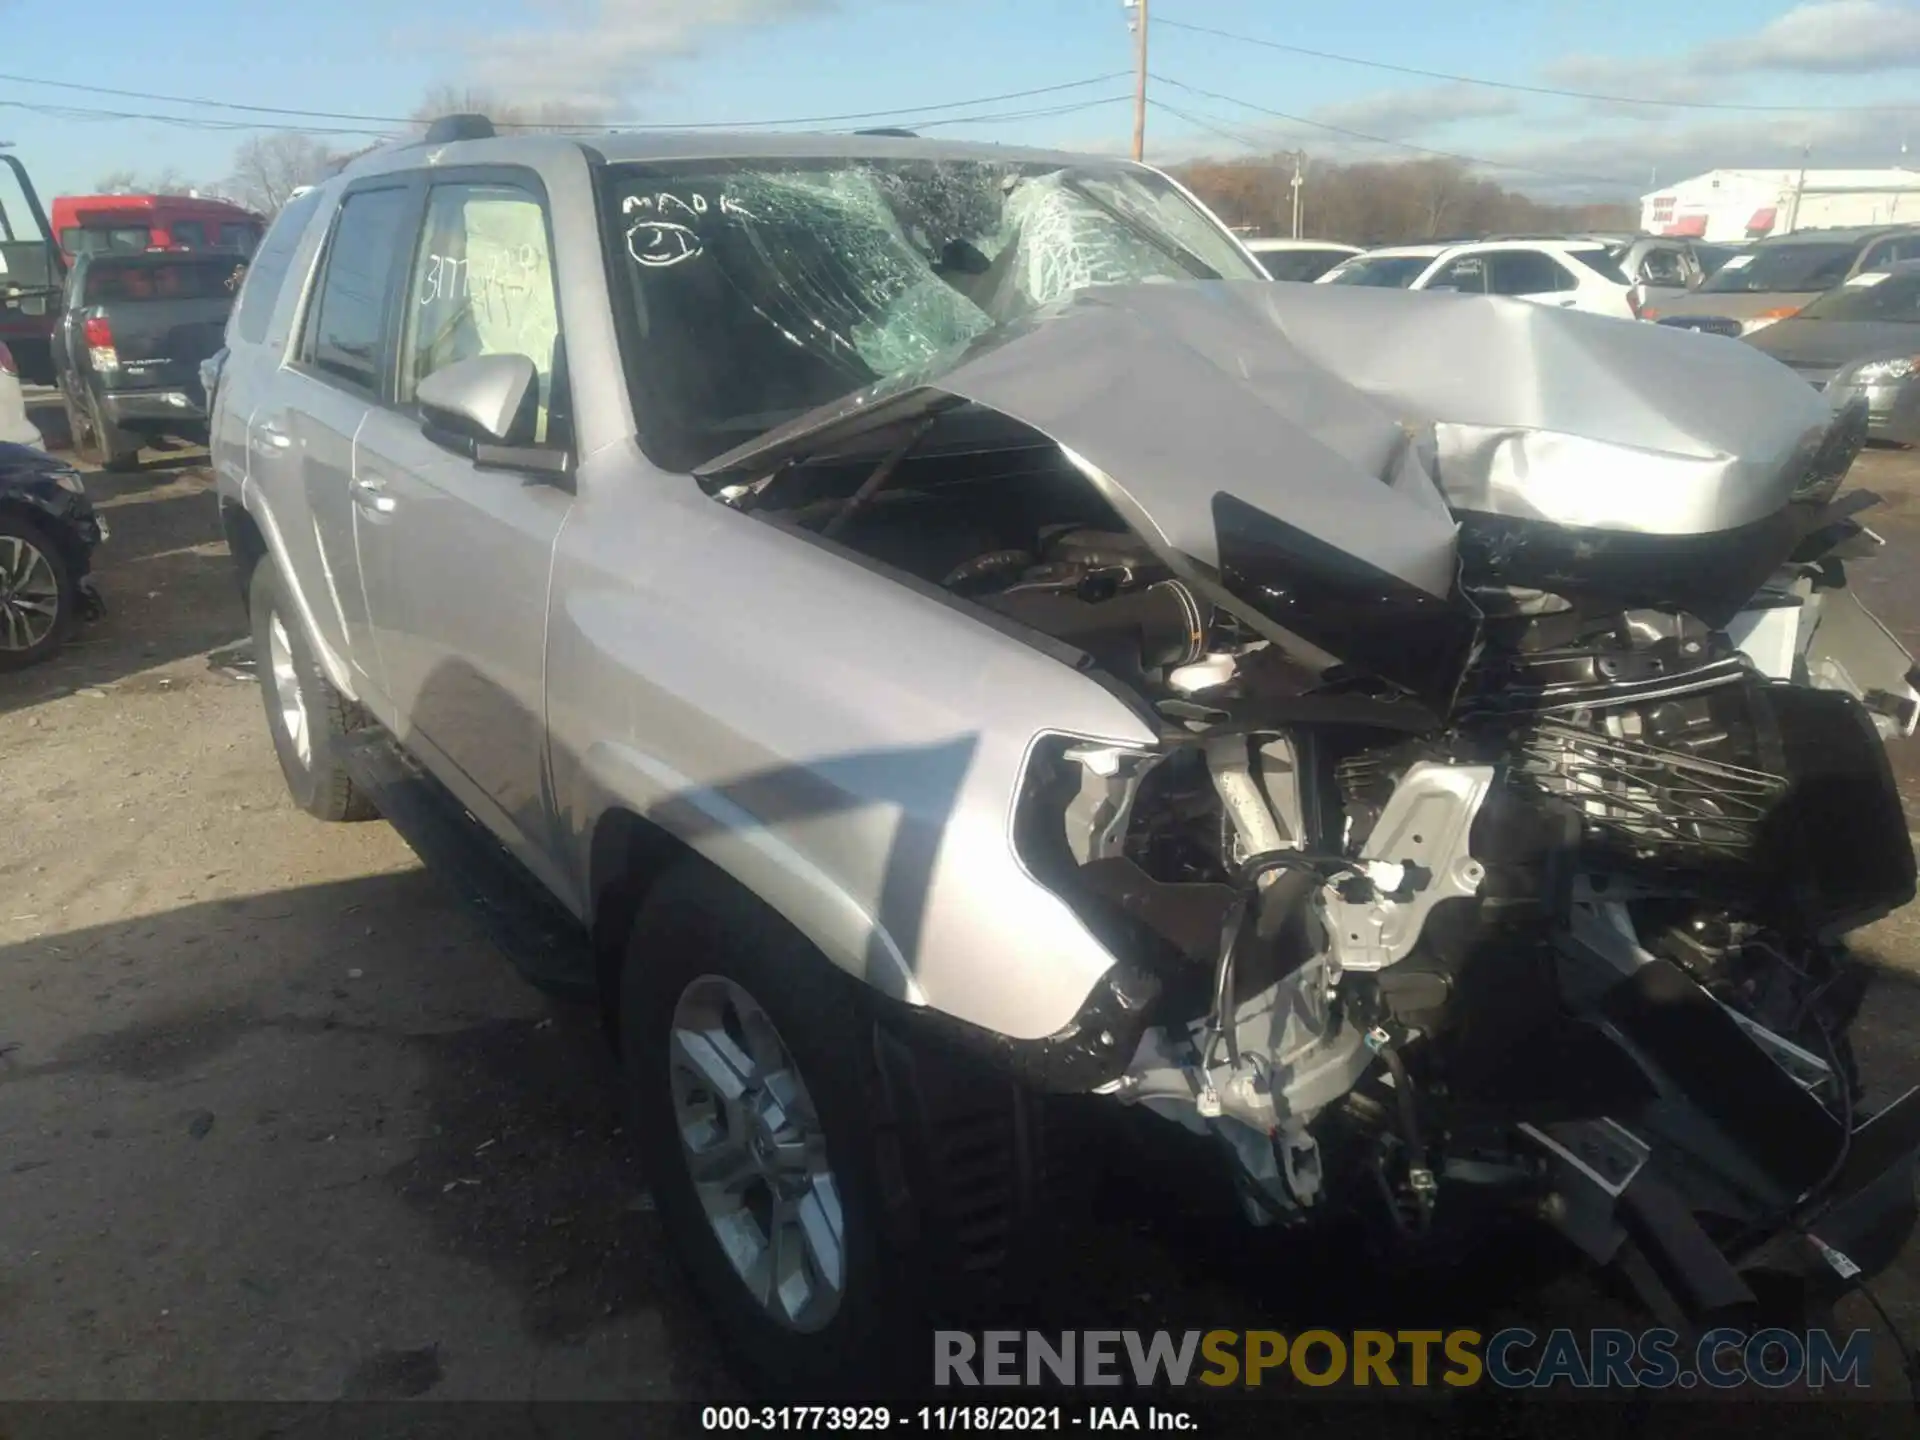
(755, 292)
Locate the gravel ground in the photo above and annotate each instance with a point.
(276, 1123)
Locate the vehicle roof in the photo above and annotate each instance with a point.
(149, 202)
(1270, 245)
(1407, 252)
(1839, 234)
(633, 146)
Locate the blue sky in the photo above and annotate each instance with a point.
(668, 61)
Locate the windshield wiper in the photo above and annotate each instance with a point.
(1160, 241)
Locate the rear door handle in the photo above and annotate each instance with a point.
(275, 437)
(368, 493)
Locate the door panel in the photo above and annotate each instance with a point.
(325, 397)
(457, 562)
(457, 559)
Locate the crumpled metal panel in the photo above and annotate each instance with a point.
(1168, 395)
(1359, 416)
(1541, 413)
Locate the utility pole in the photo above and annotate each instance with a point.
(1139, 28)
(1799, 189)
(1298, 180)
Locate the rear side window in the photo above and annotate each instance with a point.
(189, 232)
(1528, 272)
(1608, 268)
(108, 281)
(241, 237)
(269, 268)
(346, 326)
(120, 240)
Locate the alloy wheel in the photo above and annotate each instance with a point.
(756, 1153)
(29, 594)
(286, 689)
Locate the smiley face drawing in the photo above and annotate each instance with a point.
(658, 244)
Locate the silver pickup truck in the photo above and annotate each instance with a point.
(914, 631)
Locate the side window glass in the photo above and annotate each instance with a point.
(1877, 258)
(1663, 267)
(1468, 273)
(482, 284)
(190, 233)
(346, 324)
(268, 271)
(1528, 272)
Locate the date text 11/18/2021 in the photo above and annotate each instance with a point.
(939, 1419)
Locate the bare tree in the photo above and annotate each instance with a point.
(167, 181)
(1385, 203)
(267, 169)
(549, 116)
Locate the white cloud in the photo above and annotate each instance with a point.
(1396, 114)
(593, 52)
(1829, 37)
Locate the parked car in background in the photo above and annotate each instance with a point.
(130, 224)
(1573, 274)
(133, 333)
(1862, 338)
(48, 531)
(1303, 260)
(15, 427)
(1775, 278)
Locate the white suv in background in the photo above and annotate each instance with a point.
(1573, 274)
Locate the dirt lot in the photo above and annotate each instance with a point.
(277, 1123)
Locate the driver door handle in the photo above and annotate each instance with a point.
(368, 492)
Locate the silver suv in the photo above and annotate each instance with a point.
(914, 629)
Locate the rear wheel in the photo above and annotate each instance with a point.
(797, 1176)
(306, 716)
(37, 593)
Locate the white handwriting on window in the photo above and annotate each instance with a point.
(658, 242)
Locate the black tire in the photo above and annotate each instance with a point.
(888, 1121)
(318, 783)
(119, 449)
(16, 652)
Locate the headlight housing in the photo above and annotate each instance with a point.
(1879, 372)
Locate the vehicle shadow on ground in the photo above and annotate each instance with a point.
(164, 576)
(521, 1165)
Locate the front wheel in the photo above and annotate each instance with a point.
(815, 1186)
(306, 716)
(38, 594)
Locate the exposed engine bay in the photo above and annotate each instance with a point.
(1527, 883)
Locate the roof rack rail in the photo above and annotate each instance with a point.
(449, 128)
(893, 130)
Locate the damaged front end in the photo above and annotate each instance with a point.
(1521, 760)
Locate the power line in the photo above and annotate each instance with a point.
(1384, 140)
(1023, 114)
(1555, 91)
(279, 110)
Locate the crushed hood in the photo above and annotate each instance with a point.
(1302, 451)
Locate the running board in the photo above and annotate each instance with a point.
(549, 948)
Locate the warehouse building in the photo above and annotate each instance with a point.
(1738, 205)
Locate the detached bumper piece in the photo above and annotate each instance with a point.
(1733, 1192)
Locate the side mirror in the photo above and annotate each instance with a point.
(486, 409)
